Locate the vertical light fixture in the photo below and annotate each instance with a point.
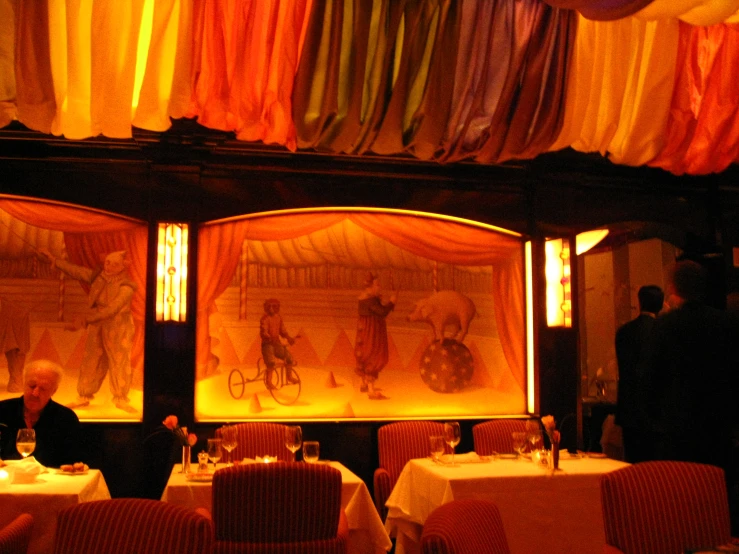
(530, 365)
(171, 295)
(559, 283)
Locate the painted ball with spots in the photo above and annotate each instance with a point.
(446, 366)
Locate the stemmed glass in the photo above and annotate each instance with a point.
(293, 438)
(533, 432)
(452, 436)
(229, 441)
(214, 451)
(519, 442)
(26, 442)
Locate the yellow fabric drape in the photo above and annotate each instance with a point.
(619, 88)
(695, 12)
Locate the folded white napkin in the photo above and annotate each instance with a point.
(26, 470)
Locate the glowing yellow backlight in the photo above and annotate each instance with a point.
(171, 295)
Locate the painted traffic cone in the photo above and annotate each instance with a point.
(331, 381)
(254, 406)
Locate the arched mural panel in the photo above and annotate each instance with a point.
(340, 314)
(73, 290)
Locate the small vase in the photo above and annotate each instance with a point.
(186, 457)
(555, 455)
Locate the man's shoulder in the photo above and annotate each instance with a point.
(10, 403)
(60, 411)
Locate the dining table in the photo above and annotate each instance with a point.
(43, 498)
(367, 534)
(553, 511)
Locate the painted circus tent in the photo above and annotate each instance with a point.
(317, 265)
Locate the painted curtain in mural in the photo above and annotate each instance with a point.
(342, 314)
(72, 290)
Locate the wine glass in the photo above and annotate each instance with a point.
(533, 432)
(452, 436)
(437, 447)
(519, 441)
(214, 451)
(25, 442)
(229, 441)
(293, 438)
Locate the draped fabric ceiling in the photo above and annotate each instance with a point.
(220, 247)
(640, 81)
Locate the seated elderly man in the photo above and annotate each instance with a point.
(57, 427)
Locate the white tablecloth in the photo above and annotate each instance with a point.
(542, 513)
(367, 534)
(43, 499)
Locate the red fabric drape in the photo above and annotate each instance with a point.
(703, 129)
(220, 243)
(89, 236)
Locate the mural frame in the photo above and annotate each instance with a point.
(317, 264)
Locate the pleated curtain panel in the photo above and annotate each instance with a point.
(641, 82)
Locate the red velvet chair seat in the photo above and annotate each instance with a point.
(16, 535)
(467, 526)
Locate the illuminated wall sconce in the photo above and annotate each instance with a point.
(559, 283)
(171, 295)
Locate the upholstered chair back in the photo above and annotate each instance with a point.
(665, 507)
(16, 535)
(261, 439)
(126, 525)
(278, 507)
(495, 435)
(468, 526)
(396, 444)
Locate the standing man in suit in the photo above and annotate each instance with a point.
(631, 407)
(691, 360)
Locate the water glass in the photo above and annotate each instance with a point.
(293, 439)
(310, 451)
(437, 447)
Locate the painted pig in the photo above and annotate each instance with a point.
(446, 307)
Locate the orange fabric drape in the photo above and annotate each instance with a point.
(89, 236)
(246, 56)
(702, 133)
(219, 247)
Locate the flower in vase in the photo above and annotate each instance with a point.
(550, 426)
(183, 437)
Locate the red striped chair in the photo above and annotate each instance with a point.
(664, 508)
(260, 438)
(495, 435)
(396, 444)
(126, 525)
(467, 526)
(16, 535)
(279, 508)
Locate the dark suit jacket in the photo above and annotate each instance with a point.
(692, 361)
(57, 433)
(631, 342)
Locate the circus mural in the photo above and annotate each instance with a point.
(341, 314)
(72, 290)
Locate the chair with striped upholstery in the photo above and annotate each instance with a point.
(396, 444)
(468, 526)
(16, 535)
(279, 508)
(495, 435)
(664, 507)
(259, 438)
(126, 525)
